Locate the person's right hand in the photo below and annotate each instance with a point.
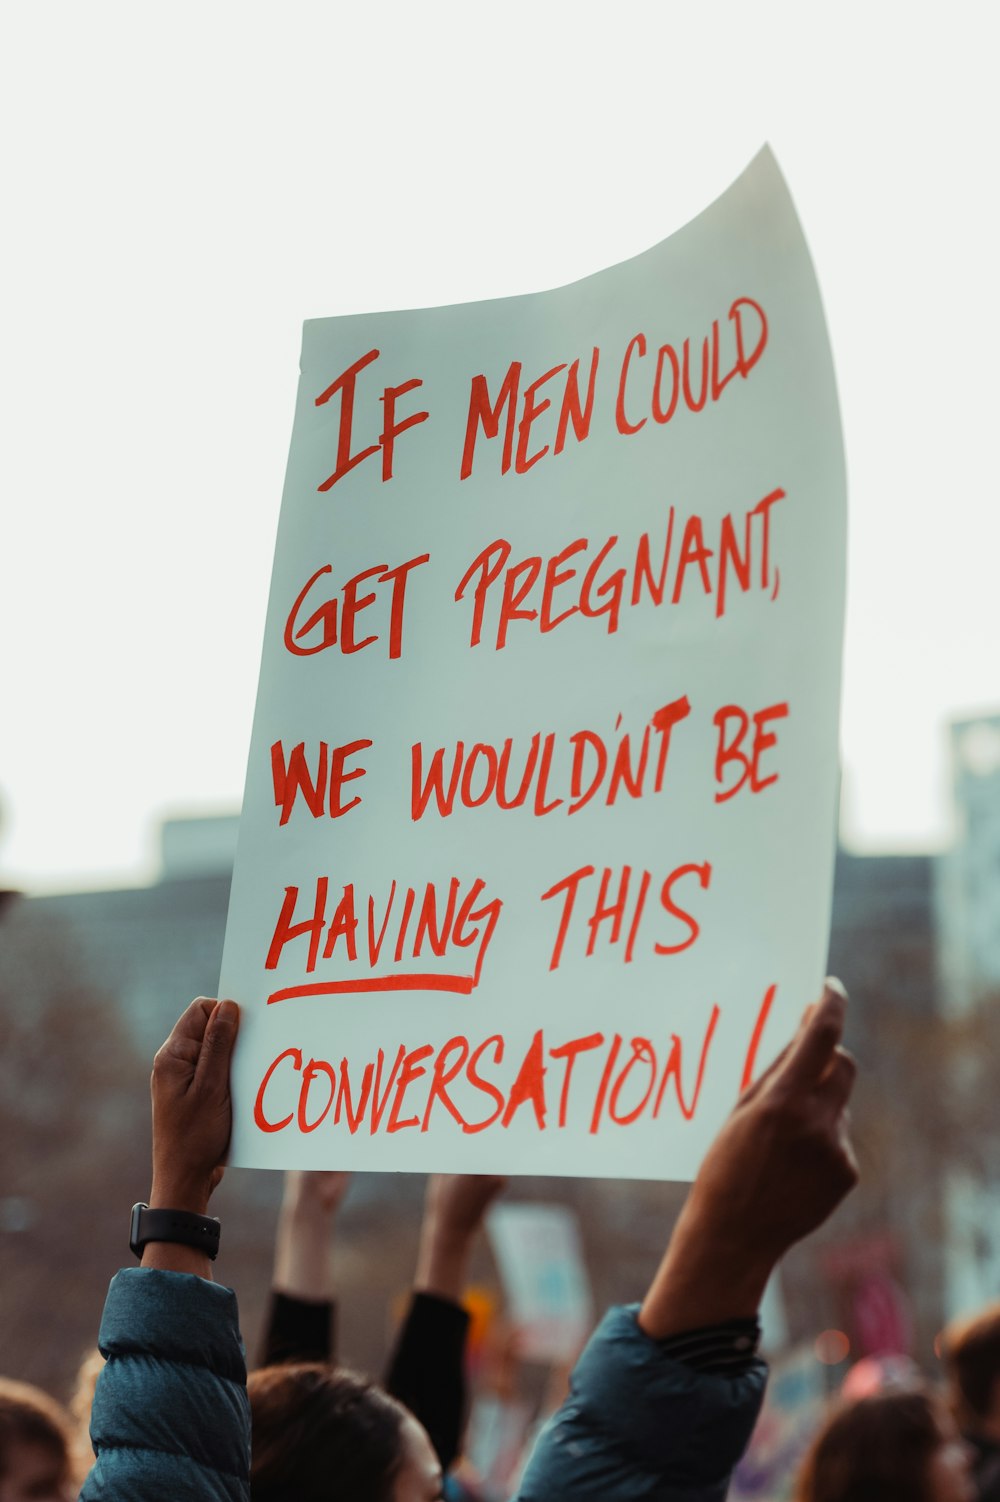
(783, 1161)
(192, 1110)
(778, 1168)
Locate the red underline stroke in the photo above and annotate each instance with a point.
(462, 984)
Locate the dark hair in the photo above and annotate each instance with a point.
(877, 1449)
(29, 1416)
(322, 1434)
(970, 1351)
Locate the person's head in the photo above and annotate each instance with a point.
(327, 1435)
(892, 1447)
(970, 1353)
(34, 1446)
(80, 1403)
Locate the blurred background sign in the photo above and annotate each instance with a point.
(539, 1256)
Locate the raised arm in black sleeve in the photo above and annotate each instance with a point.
(427, 1370)
(299, 1330)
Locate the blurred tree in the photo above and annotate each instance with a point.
(73, 1145)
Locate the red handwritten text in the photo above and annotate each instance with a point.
(604, 767)
(733, 723)
(536, 418)
(345, 387)
(291, 776)
(656, 388)
(448, 927)
(527, 589)
(596, 1080)
(486, 414)
(619, 904)
(322, 620)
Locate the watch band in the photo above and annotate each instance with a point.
(180, 1226)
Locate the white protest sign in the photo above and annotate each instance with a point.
(535, 860)
(540, 1259)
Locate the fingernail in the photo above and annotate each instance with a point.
(836, 987)
(227, 1014)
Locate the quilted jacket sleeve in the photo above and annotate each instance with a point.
(171, 1419)
(641, 1426)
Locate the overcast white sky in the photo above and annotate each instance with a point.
(185, 185)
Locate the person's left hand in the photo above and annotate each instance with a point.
(315, 1193)
(192, 1108)
(457, 1202)
(453, 1212)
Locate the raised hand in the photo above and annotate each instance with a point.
(303, 1246)
(315, 1192)
(192, 1123)
(781, 1164)
(453, 1212)
(192, 1109)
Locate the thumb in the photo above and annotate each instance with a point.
(212, 1071)
(818, 1038)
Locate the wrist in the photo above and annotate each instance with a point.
(302, 1266)
(706, 1291)
(173, 1238)
(301, 1210)
(732, 1244)
(709, 1275)
(441, 1265)
(447, 1237)
(167, 1256)
(180, 1192)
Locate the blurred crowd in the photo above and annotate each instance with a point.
(664, 1400)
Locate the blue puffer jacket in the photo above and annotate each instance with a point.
(641, 1427)
(171, 1418)
(171, 1421)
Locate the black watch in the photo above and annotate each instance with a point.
(181, 1226)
